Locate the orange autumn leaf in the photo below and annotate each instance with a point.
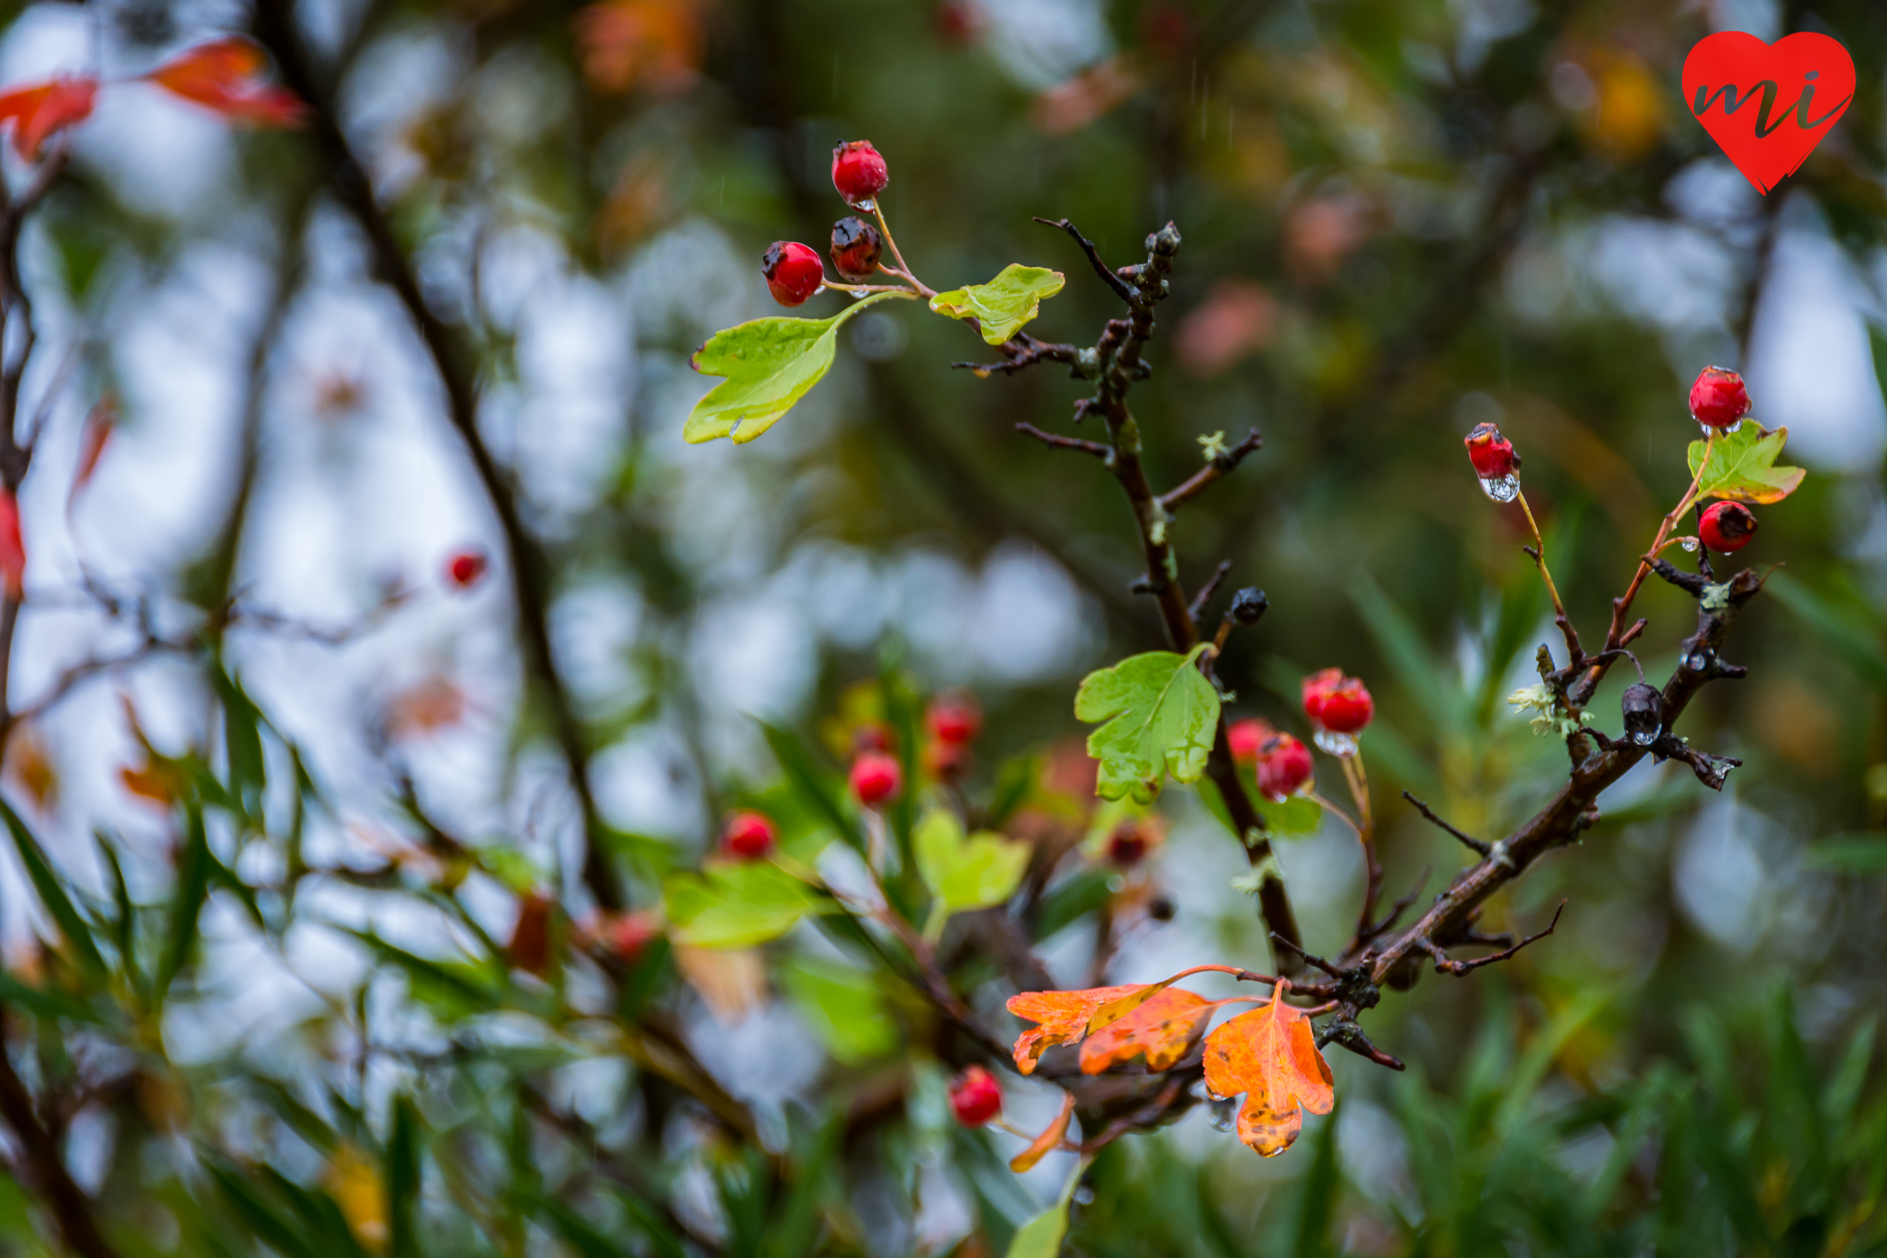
(625, 42)
(1065, 1017)
(225, 75)
(1164, 1029)
(1270, 1055)
(38, 111)
(99, 425)
(1050, 1137)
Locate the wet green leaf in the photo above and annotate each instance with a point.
(769, 365)
(1004, 304)
(736, 904)
(1160, 715)
(1742, 466)
(1297, 816)
(965, 872)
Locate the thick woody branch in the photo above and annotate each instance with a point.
(276, 29)
(1220, 465)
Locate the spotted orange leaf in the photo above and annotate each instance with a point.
(38, 111)
(1049, 1138)
(226, 75)
(1164, 1029)
(1065, 1018)
(1270, 1055)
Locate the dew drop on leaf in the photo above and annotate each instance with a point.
(1501, 488)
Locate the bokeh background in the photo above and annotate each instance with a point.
(1400, 220)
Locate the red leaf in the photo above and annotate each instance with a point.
(38, 111)
(12, 548)
(225, 75)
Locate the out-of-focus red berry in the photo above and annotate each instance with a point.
(1283, 767)
(629, 933)
(958, 21)
(1718, 399)
(1337, 703)
(871, 736)
(947, 761)
(876, 779)
(794, 271)
(1492, 454)
(856, 245)
(975, 1097)
(858, 171)
(954, 718)
(749, 836)
(466, 568)
(1128, 844)
(1247, 738)
(1726, 526)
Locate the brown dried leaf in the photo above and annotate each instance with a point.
(1164, 1029)
(1270, 1055)
(1050, 1137)
(731, 981)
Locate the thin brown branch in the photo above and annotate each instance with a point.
(1197, 607)
(1020, 351)
(1219, 466)
(1099, 449)
(1458, 968)
(1122, 289)
(1476, 844)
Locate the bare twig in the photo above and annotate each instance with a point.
(1428, 812)
(1197, 607)
(1122, 289)
(1099, 449)
(1448, 966)
(1198, 482)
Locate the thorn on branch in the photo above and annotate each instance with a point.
(1204, 597)
(1099, 449)
(1479, 847)
(1327, 967)
(1447, 966)
(1122, 289)
(1346, 1033)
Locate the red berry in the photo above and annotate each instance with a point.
(465, 568)
(947, 761)
(1726, 526)
(1284, 767)
(1492, 454)
(858, 172)
(1718, 399)
(1127, 844)
(630, 933)
(876, 778)
(794, 272)
(749, 836)
(975, 1097)
(1337, 703)
(954, 719)
(1247, 737)
(856, 245)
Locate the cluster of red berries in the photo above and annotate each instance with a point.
(975, 1097)
(794, 271)
(1718, 400)
(1281, 761)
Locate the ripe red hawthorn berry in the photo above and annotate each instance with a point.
(858, 171)
(954, 719)
(1283, 768)
(1492, 454)
(1718, 399)
(1247, 738)
(794, 272)
(749, 836)
(876, 779)
(466, 568)
(1726, 526)
(856, 245)
(1337, 703)
(1128, 844)
(975, 1097)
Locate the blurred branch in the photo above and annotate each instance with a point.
(44, 1165)
(275, 28)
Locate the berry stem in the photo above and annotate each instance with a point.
(1357, 779)
(860, 289)
(891, 243)
(1539, 555)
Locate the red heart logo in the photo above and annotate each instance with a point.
(1768, 105)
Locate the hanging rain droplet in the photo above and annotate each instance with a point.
(1697, 662)
(1501, 488)
(1342, 746)
(1644, 737)
(1223, 1114)
(1688, 543)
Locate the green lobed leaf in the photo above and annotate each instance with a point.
(966, 872)
(1742, 466)
(1160, 715)
(736, 904)
(1297, 816)
(1004, 304)
(769, 364)
(1041, 1236)
(844, 1006)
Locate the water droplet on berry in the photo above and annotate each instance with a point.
(1084, 1196)
(867, 206)
(1645, 737)
(1342, 746)
(1688, 543)
(1501, 488)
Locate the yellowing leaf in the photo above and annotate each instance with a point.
(1742, 466)
(1046, 1142)
(965, 873)
(1064, 1018)
(1271, 1056)
(769, 364)
(1161, 714)
(735, 904)
(1164, 1029)
(353, 1180)
(1004, 304)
